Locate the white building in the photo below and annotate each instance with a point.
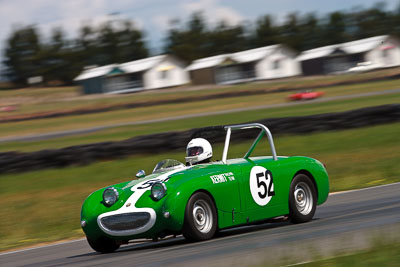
(270, 62)
(380, 52)
(149, 73)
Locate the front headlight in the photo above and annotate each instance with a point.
(110, 196)
(158, 191)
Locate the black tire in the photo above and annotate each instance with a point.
(302, 199)
(103, 244)
(200, 218)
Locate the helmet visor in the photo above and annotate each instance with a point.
(194, 151)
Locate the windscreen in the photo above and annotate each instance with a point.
(168, 164)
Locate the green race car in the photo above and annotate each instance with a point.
(199, 200)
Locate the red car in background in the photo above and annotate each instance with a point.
(305, 95)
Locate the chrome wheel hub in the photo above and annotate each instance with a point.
(303, 198)
(202, 216)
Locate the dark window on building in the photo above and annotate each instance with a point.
(164, 74)
(276, 64)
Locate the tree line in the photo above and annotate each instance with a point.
(59, 59)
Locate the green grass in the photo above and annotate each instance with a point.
(381, 247)
(378, 255)
(43, 206)
(119, 133)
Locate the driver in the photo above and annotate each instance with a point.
(198, 151)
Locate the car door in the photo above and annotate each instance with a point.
(261, 193)
(223, 184)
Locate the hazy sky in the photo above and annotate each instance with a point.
(153, 15)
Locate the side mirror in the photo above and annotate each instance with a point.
(140, 174)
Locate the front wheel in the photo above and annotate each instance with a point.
(103, 244)
(200, 218)
(302, 199)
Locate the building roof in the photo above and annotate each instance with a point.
(254, 54)
(128, 67)
(354, 47)
(89, 73)
(240, 57)
(141, 64)
(207, 62)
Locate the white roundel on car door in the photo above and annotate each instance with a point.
(261, 185)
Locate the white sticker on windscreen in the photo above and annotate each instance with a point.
(261, 185)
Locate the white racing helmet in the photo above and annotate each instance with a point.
(198, 150)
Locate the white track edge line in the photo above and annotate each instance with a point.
(362, 189)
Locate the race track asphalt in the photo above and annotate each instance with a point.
(347, 221)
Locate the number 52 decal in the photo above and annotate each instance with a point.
(261, 185)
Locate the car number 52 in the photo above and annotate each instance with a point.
(261, 185)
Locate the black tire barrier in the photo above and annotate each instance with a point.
(12, 162)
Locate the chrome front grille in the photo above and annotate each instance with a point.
(125, 221)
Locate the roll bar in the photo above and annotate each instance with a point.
(264, 131)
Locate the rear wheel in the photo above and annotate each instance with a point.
(200, 218)
(103, 244)
(302, 199)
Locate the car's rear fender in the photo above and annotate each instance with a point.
(319, 177)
